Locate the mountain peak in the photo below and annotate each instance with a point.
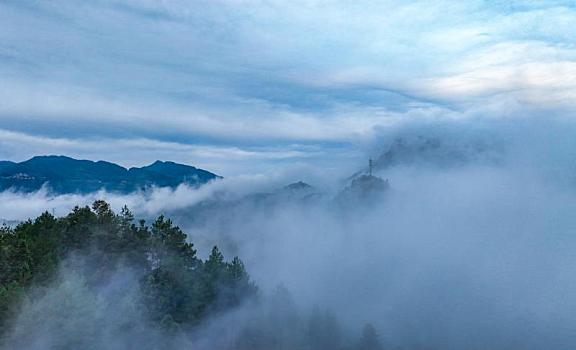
(298, 186)
(49, 157)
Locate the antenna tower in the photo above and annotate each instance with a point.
(370, 166)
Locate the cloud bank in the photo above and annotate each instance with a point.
(269, 79)
(474, 254)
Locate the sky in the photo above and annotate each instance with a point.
(248, 87)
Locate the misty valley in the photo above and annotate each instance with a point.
(96, 279)
(287, 175)
(433, 244)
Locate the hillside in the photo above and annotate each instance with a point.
(68, 175)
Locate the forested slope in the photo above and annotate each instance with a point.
(178, 289)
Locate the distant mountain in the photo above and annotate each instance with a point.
(4, 164)
(366, 188)
(298, 186)
(67, 175)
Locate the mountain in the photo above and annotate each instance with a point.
(68, 175)
(217, 210)
(298, 186)
(4, 164)
(365, 188)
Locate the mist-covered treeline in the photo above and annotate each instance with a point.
(176, 289)
(94, 279)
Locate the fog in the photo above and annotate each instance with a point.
(17, 206)
(471, 247)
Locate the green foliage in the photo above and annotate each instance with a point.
(10, 295)
(177, 288)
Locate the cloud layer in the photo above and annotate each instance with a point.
(477, 253)
(204, 77)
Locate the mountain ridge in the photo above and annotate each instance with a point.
(65, 175)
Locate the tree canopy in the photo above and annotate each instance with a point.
(178, 289)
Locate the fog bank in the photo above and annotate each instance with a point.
(472, 247)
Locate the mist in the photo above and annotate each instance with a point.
(471, 247)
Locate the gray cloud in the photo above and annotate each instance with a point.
(247, 74)
(474, 255)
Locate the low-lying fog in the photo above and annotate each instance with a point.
(472, 247)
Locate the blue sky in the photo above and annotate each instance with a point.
(248, 86)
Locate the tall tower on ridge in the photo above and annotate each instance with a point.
(370, 166)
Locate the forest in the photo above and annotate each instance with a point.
(177, 292)
(178, 289)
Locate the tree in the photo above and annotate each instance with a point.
(15, 257)
(134, 240)
(369, 339)
(44, 242)
(215, 262)
(78, 229)
(169, 243)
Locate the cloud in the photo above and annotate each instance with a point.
(244, 74)
(506, 69)
(17, 206)
(474, 255)
(128, 152)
